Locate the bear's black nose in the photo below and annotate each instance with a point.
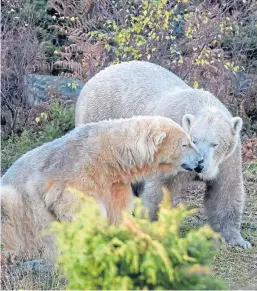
(199, 168)
(200, 162)
(186, 167)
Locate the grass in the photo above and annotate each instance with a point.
(31, 279)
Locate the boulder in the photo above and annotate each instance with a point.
(40, 88)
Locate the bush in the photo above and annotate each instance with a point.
(147, 34)
(46, 127)
(73, 21)
(138, 254)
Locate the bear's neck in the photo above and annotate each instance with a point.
(136, 163)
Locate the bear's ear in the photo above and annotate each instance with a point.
(159, 137)
(187, 121)
(237, 124)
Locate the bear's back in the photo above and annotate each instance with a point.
(32, 163)
(138, 88)
(138, 74)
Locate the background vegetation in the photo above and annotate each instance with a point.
(210, 44)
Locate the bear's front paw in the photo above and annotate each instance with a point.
(240, 242)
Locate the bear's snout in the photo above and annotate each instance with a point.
(193, 161)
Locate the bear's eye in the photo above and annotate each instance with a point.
(194, 142)
(214, 145)
(184, 145)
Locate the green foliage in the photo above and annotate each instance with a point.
(145, 32)
(49, 126)
(62, 120)
(250, 171)
(138, 254)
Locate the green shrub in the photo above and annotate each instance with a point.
(53, 124)
(146, 34)
(138, 254)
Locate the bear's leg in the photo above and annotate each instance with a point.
(61, 203)
(152, 197)
(121, 200)
(153, 193)
(224, 200)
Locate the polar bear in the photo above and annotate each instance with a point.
(143, 88)
(98, 159)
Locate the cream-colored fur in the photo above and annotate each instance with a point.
(99, 159)
(142, 88)
(23, 220)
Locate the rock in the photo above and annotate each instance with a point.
(241, 82)
(40, 88)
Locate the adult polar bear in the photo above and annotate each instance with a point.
(143, 88)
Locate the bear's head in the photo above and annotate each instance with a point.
(175, 147)
(215, 135)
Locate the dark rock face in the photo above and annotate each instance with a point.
(40, 88)
(241, 82)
